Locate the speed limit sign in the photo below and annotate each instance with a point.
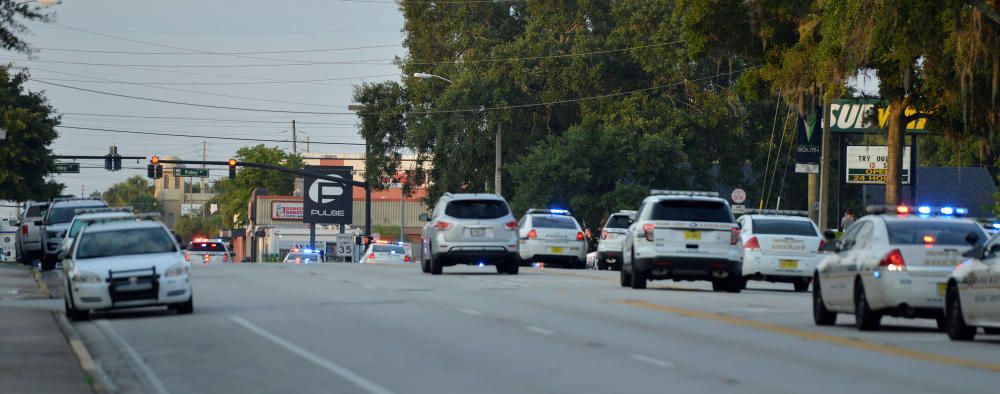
(345, 245)
(739, 196)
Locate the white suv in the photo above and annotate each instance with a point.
(475, 229)
(609, 249)
(683, 235)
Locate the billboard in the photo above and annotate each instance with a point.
(867, 116)
(287, 210)
(868, 165)
(808, 143)
(325, 201)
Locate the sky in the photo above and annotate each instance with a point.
(196, 52)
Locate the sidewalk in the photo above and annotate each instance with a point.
(35, 356)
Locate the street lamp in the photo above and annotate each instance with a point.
(496, 175)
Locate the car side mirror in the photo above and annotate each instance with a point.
(425, 217)
(972, 239)
(830, 235)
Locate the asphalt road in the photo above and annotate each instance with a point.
(349, 328)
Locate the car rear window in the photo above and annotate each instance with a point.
(913, 232)
(124, 242)
(784, 227)
(477, 209)
(692, 211)
(207, 247)
(553, 222)
(35, 211)
(389, 249)
(617, 221)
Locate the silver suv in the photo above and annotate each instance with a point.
(29, 235)
(609, 249)
(57, 221)
(474, 229)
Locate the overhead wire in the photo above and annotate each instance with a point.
(172, 134)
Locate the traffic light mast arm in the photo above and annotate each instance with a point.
(271, 167)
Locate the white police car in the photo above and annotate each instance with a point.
(972, 298)
(683, 235)
(551, 236)
(302, 256)
(385, 252)
(126, 264)
(609, 248)
(780, 246)
(895, 261)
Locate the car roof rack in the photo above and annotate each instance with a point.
(82, 211)
(691, 193)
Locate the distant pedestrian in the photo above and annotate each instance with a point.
(847, 220)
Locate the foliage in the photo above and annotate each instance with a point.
(136, 192)
(13, 14)
(30, 124)
(189, 227)
(234, 194)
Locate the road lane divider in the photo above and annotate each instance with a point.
(363, 383)
(539, 330)
(468, 311)
(853, 343)
(653, 361)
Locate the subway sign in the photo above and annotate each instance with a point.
(867, 116)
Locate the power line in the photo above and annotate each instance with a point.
(253, 33)
(204, 119)
(171, 134)
(215, 53)
(467, 110)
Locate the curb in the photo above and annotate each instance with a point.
(83, 356)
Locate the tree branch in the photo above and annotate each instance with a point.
(986, 10)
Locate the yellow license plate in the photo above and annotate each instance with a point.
(788, 264)
(942, 287)
(692, 235)
(556, 250)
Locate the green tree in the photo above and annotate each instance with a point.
(13, 14)
(189, 227)
(233, 194)
(136, 192)
(29, 122)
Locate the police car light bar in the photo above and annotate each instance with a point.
(550, 211)
(682, 193)
(923, 210)
(82, 211)
(786, 212)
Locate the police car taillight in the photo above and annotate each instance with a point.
(822, 246)
(532, 234)
(893, 261)
(579, 236)
(648, 229)
(752, 244)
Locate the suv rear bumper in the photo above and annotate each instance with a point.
(490, 255)
(687, 268)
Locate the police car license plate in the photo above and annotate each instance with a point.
(941, 289)
(477, 232)
(692, 235)
(788, 264)
(555, 249)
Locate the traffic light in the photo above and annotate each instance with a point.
(232, 168)
(155, 169)
(159, 171)
(151, 171)
(112, 160)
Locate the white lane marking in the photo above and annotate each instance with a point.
(151, 378)
(650, 360)
(369, 287)
(328, 365)
(331, 278)
(539, 330)
(468, 311)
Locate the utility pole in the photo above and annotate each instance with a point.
(294, 139)
(204, 153)
(824, 171)
(307, 144)
(496, 181)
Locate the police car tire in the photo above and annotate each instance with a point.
(954, 321)
(801, 285)
(865, 318)
(71, 312)
(626, 279)
(187, 307)
(821, 315)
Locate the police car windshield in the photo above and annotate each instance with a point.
(389, 249)
(207, 247)
(691, 211)
(553, 222)
(124, 242)
(913, 232)
(784, 227)
(477, 209)
(65, 214)
(81, 224)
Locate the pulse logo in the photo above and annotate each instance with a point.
(323, 191)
